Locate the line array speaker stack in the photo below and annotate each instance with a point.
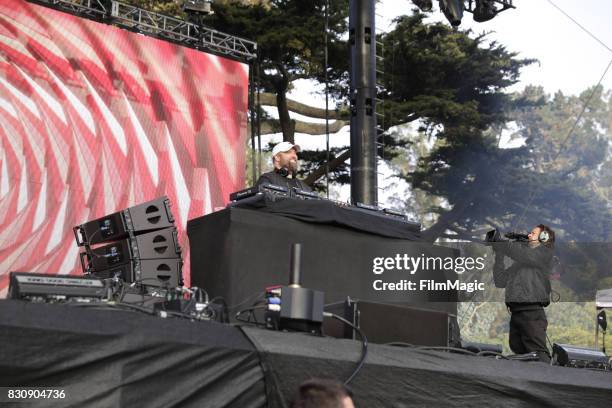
(139, 244)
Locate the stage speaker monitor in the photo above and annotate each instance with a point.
(149, 272)
(150, 216)
(387, 323)
(579, 357)
(152, 245)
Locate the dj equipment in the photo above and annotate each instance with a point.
(38, 287)
(294, 307)
(149, 216)
(580, 357)
(386, 323)
(383, 213)
(256, 193)
(244, 194)
(259, 192)
(305, 195)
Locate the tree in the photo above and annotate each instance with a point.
(576, 153)
(290, 38)
(456, 86)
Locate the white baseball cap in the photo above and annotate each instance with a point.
(284, 147)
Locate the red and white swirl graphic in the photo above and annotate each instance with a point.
(94, 119)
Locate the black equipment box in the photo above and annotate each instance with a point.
(580, 357)
(243, 194)
(305, 195)
(385, 323)
(256, 193)
(149, 272)
(145, 217)
(51, 288)
(235, 250)
(152, 245)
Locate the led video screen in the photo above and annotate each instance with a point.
(94, 119)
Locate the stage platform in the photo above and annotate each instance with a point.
(118, 358)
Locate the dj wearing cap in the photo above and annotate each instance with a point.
(285, 161)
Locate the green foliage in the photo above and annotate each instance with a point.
(289, 34)
(574, 156)
(167, 7)
(446, 77)
(568, 323)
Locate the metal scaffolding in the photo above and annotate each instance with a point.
(158, 25)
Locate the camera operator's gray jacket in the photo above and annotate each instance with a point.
(527, 280)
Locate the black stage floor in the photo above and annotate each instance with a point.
(117, 358)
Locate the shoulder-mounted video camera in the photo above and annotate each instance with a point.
(496, 236)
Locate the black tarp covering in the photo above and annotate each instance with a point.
(110, 358)
(330, 213)
(397, 377)
(113, 358)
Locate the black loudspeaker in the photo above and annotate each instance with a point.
(150, 272)
(386, 323)
(153, 245)
(150, 216)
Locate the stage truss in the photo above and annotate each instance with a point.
(158, 25)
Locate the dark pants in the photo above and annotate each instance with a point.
(528, 332)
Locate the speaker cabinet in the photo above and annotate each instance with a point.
(387, 323)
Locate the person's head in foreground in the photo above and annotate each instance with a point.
(322, 393)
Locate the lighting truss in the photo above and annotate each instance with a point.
(158, 25)
(90, 8)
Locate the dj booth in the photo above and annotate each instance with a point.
(237, 252)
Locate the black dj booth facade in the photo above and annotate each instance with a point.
(237, 253)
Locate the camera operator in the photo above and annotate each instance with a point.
(527, 284)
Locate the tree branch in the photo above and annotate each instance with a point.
(446, 219)
(333, 164)
(269, 99)
(318, 128)
(269, 126)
